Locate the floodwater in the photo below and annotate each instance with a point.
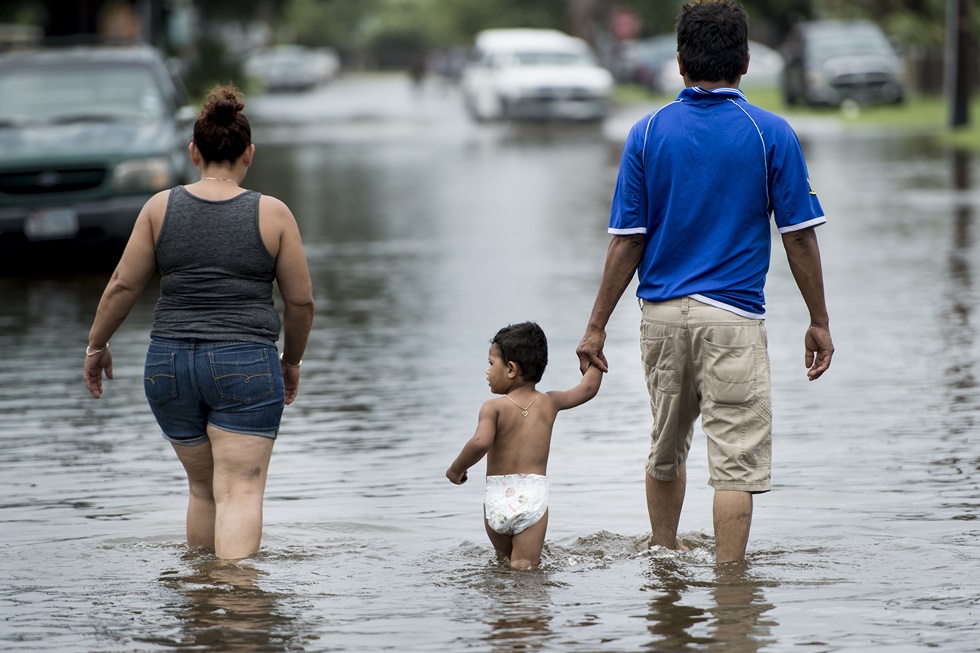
(426, 234)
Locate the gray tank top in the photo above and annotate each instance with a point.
(216, 272)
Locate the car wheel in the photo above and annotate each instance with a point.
(504, 107)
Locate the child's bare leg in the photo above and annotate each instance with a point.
(528, 543)
(501, 543)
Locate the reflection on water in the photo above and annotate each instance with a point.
(960, 333)
(719, 608)
(519, 614)
(221, 606)
(740, 623)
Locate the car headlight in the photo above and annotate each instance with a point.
(137, 175)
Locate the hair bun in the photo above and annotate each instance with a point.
(223, 104)
(221, 131)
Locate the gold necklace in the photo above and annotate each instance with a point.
(523, 409)
(219, 179)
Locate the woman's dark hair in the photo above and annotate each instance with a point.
(526, 345)
(713, 40)
(222, 132)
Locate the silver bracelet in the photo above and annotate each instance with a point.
(283, 361)
(96, 351)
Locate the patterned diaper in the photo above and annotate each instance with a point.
(515, 502)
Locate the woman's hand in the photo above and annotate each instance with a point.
(290, 378)
(95, 365)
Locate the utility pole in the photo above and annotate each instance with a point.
(959, 60)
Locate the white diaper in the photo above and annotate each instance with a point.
(515, 502)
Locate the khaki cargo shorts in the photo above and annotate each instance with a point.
(708, 362)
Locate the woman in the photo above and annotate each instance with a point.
(211, 378)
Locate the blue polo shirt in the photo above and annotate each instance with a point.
(700, 179)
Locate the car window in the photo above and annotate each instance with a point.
(76, 94)
(544, 58)
(828, 43)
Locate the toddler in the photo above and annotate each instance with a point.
(514, 432)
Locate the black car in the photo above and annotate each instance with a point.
(87, 135)
(829, 62)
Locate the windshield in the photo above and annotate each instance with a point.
(543, 58)
(75, 94)
(843, 41)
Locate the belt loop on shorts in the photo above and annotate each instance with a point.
(685, 305)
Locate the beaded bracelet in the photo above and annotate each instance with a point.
(283, 361)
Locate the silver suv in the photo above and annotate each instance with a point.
(828, 62)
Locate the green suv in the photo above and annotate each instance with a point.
(87, 135)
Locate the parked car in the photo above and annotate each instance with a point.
(828, 62)
(534, 74)
(87, 135)
(292, 68)
(765, 71)
(642, 62)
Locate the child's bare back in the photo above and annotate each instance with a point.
(514, 432)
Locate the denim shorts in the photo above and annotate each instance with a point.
(703, 361)
(234, 386)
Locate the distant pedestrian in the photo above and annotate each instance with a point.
(698, 182)
(211, 375)
(514, 433)
(417, 69)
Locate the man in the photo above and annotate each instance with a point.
(698, 182)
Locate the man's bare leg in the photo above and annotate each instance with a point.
(732, 517)
(665, 499)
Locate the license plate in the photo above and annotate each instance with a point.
(51, 224)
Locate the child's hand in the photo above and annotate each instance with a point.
(455, 477)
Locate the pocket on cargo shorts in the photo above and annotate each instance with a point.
(242, 375)
(159, 378)
(660, 363)
(731, 371)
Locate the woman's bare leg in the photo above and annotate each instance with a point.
(199, 465)
(241, 466)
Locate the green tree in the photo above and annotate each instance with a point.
(334, 23)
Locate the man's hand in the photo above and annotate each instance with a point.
(589, 350)
(457, 478)
(819, 351)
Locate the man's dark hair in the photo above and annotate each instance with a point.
(526, 345)
(713, 40)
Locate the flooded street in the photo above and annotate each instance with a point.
(426, 233)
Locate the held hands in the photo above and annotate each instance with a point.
(819, 350)
(589, 350)
(95, 365)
